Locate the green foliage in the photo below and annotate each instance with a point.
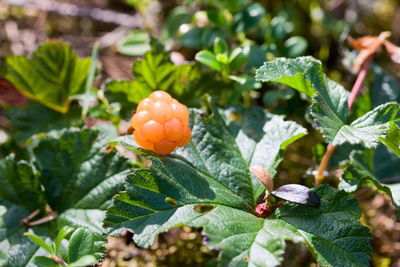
(136, 43)
(80, 244)
(52, 75)
(333, 229)
(35, 119)
(78, 184)
(329, 107)
(19, 184)
(210, 186)
(154, 72)
(361, 171)
(80, 248)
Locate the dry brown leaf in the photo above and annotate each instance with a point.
(367, 45)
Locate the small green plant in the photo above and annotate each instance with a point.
(78, 253)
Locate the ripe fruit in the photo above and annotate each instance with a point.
(161, 123)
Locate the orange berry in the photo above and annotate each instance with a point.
(140, 118)
(173, 129)
(145, 104)
(161, 123)
(164, 147)
(161, 96)
(180, 111)
(187, 134)
(141, 141)
(161, 112)
(152, 131)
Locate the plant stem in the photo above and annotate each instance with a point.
(359, 82)
(352, 97)
(324, 162)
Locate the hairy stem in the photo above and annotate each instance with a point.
(353, 94)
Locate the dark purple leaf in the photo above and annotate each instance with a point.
(298, 194)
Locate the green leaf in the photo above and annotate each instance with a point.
(295, 46)
(178, 16)
(63, 233)
(384, 87)
(208, 58)
(329, 109)
(78, 180)
(134, 92)
(80, 244)
(367, 129)
(302, 73)
(43, 261)
(40, 242)
(19, 185)
(192, 38)
(84, 261)
(361, 171)
(3, 210)
(154, 72)
(3, 258)
(212, 170)
(220, 46)
(238, 57)
(392, 139)
(79, 170)
(244, 239)
(52, 75)
(333, 229)
(248, 17)
(172, 193)
(136, 43)
(35, 118)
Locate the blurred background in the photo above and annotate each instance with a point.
(26, 23)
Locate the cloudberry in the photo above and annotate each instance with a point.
(161, 123)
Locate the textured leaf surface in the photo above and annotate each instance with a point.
(80, 244)
(78, 181)
(52, 75)
(35, 118)
(19, 185)
(361, 172)
(154, 72)
(329, 108)
(76, 172)
(207, 184)
(333, 229)
(392, 140)
(367, 129)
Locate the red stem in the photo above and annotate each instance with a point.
(359, 82)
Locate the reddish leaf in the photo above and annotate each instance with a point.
(9, 94)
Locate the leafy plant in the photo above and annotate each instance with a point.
(207, 184)
(77, 185)
(52, 75)
(77, 254)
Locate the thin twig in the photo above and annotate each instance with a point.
(51, 217)
(25, 221)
